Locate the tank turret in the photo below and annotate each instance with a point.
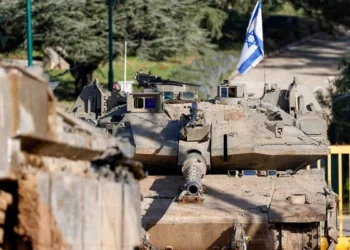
(235, 133)
(243, 162)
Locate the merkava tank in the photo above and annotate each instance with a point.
(64, 184)
(244, 183)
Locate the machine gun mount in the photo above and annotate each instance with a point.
(150, 81)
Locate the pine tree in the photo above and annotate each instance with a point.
(334, 11)
(161, 28)
(78, 29)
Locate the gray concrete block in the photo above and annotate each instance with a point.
(111, 202)
(131, 216)
(91, 214)
(66, 205)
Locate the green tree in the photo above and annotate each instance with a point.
(339, 104)
(239, 12)
(334, 11)
(340, 127)
(161, 28)
(245, 7)
(343, 82)
(78, 29)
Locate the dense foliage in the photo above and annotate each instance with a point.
(160, 28)
(78, 29)
(78, 33)
(340, 127)
(330, 11)
(155, 30)
(80, 26)
(343, 83)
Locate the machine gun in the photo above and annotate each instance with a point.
(150, 81)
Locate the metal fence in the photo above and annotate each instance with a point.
(337, 167)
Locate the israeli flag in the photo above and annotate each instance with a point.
(253, 48)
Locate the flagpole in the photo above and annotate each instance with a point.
(264, 71)
(125, 60)
(110, 44)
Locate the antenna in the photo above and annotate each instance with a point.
(125, 58)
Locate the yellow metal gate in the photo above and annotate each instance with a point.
(339, 151)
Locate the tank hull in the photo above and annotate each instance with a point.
(257, 204)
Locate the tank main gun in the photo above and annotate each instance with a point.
(150, 81)
(194, 166)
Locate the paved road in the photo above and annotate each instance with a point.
(313, 63)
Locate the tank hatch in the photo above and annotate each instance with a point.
(232, 93)
(147, 102)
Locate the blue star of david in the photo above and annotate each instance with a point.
(250, 39)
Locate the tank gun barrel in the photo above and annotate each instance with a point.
(193, 169)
